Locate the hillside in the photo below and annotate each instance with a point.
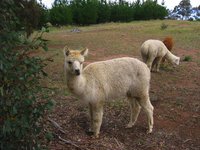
(174, 93)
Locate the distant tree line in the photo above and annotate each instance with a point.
(85, 12)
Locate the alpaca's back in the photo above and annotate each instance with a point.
(153, 48)
(153, 51)
(113, 79)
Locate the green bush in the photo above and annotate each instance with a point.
(163, 26)
(21, 101)
(187, 58)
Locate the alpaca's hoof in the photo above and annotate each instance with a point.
(149, 131)
(95, 136)
(89, 132)
(130, 125)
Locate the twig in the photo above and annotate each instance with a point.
(187, 140)
(67, 141)
(118, 143)
(56, 125)
(49, 88)
(60, 138)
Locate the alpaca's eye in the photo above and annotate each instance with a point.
(69, 62)
(81, 63)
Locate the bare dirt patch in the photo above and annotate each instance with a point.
(175, 94)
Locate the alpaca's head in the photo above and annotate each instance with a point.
(176, 61)
(74, 60)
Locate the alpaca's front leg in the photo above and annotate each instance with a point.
(97, 110)
(91, 118)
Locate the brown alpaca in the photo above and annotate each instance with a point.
(168, 41)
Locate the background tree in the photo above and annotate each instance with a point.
(104, 12)
(29, 14)
(137, 15)
(183, 8)
(121, 12)
(44, 15)
(163, 2)
(85, 12)
(149, 10)
(61, 13)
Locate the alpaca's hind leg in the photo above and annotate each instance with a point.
(97, 110)
(159, 59)
(154, 64)
(144, 58)
(150, 62)
(135, 110)
(148, 108)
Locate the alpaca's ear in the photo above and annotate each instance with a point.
(84, 52)
(66, 51)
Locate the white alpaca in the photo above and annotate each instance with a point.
(153, 51)
(105, 80)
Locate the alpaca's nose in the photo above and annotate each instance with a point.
(77, 72)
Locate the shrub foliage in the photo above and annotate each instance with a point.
(21, 103)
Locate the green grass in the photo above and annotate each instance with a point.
(106, 40)
(119, 36)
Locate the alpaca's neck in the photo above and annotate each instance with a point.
(170, 57)
(76, 84)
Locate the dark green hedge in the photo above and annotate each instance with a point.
(85, 12)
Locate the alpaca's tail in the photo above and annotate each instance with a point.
(168, 41)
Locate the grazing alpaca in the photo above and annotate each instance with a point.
(153, 51)
(109, 80)
(168, 41)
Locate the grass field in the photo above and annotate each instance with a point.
(175, 92)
